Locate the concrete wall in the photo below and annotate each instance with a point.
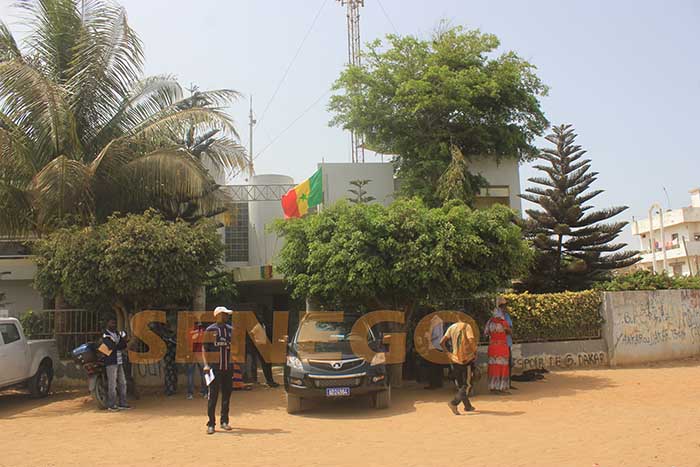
(506, 173)
(649, 326)
(337, 178)
(20, 296)
(564, 355)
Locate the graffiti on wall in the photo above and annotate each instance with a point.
(660, 317)
(568, 360)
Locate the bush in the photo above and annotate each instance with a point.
(36, 325)
(546, 317)
(647, 280)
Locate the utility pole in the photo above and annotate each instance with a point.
(251, 124)
(353, 13)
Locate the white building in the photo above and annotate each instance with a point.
(680, 242)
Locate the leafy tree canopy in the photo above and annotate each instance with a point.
(417, 98)
(128, 263)
(575, 247)
(367, 256)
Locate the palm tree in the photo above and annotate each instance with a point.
(82, 135)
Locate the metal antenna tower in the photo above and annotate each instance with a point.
(353, 8)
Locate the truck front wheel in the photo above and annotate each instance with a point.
(382, 399)
(40, 384)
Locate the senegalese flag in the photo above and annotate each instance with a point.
(304, 196)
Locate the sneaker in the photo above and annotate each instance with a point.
(469, 408)
(210, 430)
(204, 394)
(273, 384)
(189, 397)
(453, 408)
(226, 426)
(124, 407)
(113, 409)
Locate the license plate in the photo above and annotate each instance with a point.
(337, 392)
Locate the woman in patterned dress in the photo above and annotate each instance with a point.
(497, 330)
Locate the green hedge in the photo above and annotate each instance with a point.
(647, 280)
(555, 316)
(546, 317)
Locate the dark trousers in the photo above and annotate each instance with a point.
(463, 377)
(433, 373)
(254, 356)
(223, 382)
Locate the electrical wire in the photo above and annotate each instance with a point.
(387, 17)
(299, 117)
(289, 66)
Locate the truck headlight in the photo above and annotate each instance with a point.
(294, 362)
(378, 359)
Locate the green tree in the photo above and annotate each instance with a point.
(221, 289)
(128, 263)
(359, 192)
(417, 98)
(457, 183)
(575, 247)
(367, 256)
(83, 135)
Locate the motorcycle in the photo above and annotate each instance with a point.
(87, 356)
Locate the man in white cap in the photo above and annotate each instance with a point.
(222, 368)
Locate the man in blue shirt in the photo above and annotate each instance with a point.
(502, 304)
(222, 368)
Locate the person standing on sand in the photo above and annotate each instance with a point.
(497, 330)
(502, 304)
(113, 346)
(222, 369)
(193, 364)
(464, 344)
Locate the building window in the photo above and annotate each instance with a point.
(697, 237)
(236, 233)
(677, 269)
(491, 195)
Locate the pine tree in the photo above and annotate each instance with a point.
(575, 247)
(359, 192)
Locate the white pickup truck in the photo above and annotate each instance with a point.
(25, 362)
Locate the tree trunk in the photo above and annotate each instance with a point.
(395, 371)
(60, 323)
(199, 301)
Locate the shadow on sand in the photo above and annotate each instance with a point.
(261, 399)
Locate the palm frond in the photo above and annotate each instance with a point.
(62, 189)
(173, 122)
(8, 45)
(107, 62)
(148, 97)
(55, 30)
(228, 155)
(39, 106)
(16, 211)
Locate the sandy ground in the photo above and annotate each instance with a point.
(624, 417)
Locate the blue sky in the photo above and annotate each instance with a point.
(625, 73)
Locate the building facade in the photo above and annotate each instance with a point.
(680, 242)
